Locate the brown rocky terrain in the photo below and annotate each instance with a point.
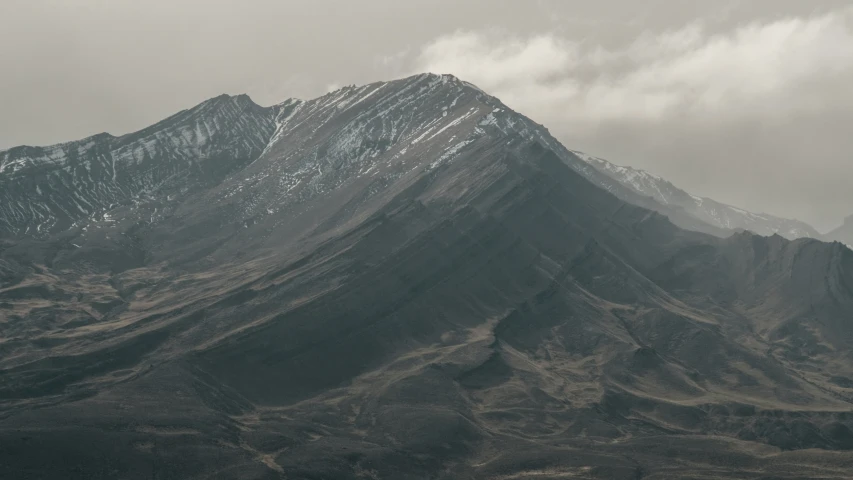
(401, 280)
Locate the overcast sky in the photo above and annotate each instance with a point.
(748, 102)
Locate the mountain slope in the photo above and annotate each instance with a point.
(45, 190)
(410, 280)
(704, 209)
(843, 233)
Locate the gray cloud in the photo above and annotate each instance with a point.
(754, 71)
(748, 115)
(744, 101)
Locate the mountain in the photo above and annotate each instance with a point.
(703, 209)
(844, 233)
(402, 280)
(46, 190)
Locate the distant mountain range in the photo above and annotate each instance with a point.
(843, 233)
(403, 280)
(704, 209)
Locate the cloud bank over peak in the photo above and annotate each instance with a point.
(739, 113)
(748, 70)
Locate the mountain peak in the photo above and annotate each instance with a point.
(376, 131)
(843, 233)
(237, 98)
(46, 189)
(224, 100)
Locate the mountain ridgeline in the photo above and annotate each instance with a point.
(401, 280)
(47, 190)
(843, 233)
(706, 210)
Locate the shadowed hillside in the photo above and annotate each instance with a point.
(401, 280)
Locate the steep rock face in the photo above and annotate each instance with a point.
(45, 190)
(703, 209)
(410, 280)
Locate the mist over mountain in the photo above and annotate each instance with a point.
(405, 279)
(843, 233)
(704, 209)
(715, 217)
